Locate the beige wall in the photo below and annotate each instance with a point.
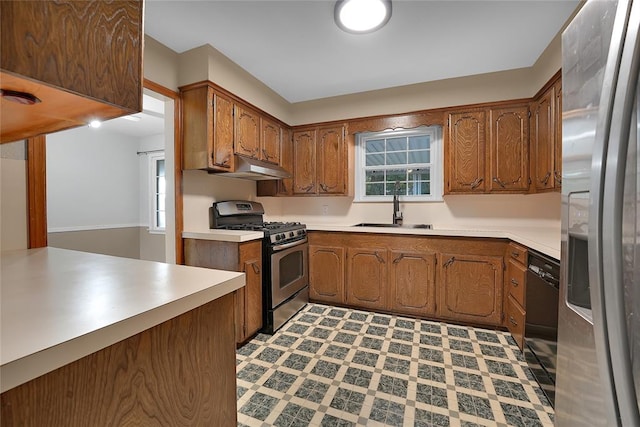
(13, 196)
(152, 245)
(160, 64)
(122, 242)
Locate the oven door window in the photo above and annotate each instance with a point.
(289, 273)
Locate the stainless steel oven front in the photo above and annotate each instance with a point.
(286, 287)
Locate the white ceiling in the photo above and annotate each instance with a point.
(148, 122)
(295, 48)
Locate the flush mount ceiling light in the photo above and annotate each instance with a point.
(362, 16)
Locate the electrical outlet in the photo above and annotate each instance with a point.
(325, 209)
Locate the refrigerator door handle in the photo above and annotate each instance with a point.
(612, 216)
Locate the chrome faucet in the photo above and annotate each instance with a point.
(397, 215)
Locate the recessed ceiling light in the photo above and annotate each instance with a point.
(362, 16)
(95, 124)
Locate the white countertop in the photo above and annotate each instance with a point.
(224, 235)
(544, 240)
(59, 305)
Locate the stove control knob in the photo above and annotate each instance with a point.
(278, 237)
(300, 232)
(291, 234)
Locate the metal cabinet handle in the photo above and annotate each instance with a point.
(497, 181)
(477, 182)
(449, 262)
(256, 269)
(514, 282)
(513, 321)
(379, 257)
(545, 180)
(515, 254)
(558, 177)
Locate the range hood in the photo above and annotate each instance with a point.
(257, 170)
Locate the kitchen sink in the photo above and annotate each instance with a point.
(377, 224)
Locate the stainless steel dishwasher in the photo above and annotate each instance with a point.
(541, 325)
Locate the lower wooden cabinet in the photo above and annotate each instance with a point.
(471, 288)
(367, 278)
(458, 279)
(245, 257)
(515, 291)
(515, 318)
(326, 273)
(412, 281)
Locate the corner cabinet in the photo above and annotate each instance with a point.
(320, 161)
(487, 150)
(471, 288)
(84, 64)
(245, 257)
(546, 139)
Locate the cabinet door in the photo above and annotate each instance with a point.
(331, 152)
(367, 278)
(251, 265)
(412, 281)
(221, 143)
(271, 134)
(326, 274)
(465, 153)
(515, 318)
(471, 288)
(247, 137)
(304, 162)
(557, 159)
(509, 149)
(542, 141)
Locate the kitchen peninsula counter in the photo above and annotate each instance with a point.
(61, 308)
(542, 239)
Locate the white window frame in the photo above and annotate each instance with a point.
(436, 164)
(153, 205)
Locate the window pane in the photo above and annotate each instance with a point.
(160, 185)
(418, 188)
(397, 158)
(419, 156)
(374, 189)
(419, 142)
(397, 144)
(396, 175)
(420, 175)
(374, 176)
(160, 219)
(160, 167)
(160, 200)
(375, 146)
(375, 159)
(402, 188)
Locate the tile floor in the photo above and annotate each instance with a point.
(331, 366)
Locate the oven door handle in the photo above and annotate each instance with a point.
(289, 245)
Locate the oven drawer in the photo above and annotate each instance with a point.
(516, 277)
(515, 320)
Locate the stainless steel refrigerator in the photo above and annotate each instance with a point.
(598, 371)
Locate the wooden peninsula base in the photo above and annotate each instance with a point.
(180, 372)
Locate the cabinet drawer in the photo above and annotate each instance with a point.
(517, 253)
(516, 281)
(515, 320)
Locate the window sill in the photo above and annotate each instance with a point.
(156, 231)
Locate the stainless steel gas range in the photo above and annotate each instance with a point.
(285, 279)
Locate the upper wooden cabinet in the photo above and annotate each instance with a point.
(208, 129)
(216, 126)
(465, 155)
(247, 128)
(487, 150)
(546, 138)
(81, 59)
(320, 161)
(509, 149)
